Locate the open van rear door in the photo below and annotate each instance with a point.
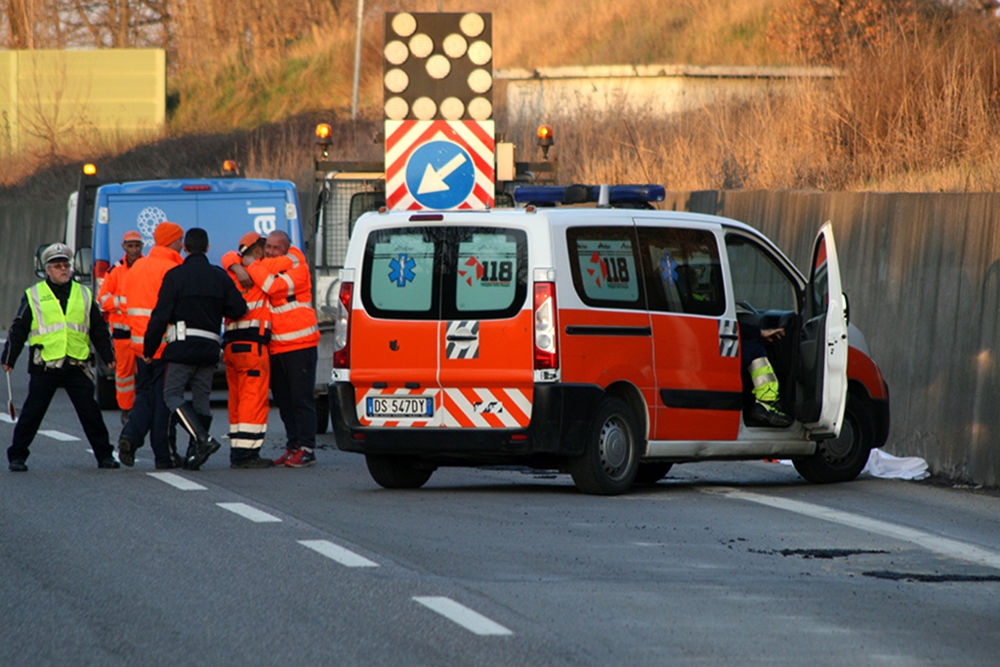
(823, 343)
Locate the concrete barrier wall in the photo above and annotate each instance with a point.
(23, 227)
(922, 274)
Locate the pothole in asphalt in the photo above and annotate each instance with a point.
(820, 553)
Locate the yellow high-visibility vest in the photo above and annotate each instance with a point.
(60, 334)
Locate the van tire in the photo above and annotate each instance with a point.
(106, 398)
(610, 460)
(396, 472)
(652, 472)
(843, 458)
(322, 413)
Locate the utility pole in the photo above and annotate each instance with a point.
(357, 61)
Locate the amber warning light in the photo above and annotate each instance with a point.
(89, 169)
(323, 140)
(545, 139)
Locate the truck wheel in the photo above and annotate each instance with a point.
(106, 398)
(396, 472)
(652, 472)
(322, 413)
(841, 459)
(610, 460)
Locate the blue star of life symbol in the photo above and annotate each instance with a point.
(402, 270)
(669, 267)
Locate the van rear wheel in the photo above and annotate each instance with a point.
(396, 472)
(610, 461)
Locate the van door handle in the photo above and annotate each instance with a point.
(458, 337)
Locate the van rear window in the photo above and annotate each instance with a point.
(445, 272)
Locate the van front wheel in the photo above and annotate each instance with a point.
(841, 459)
(396, 472)
(610, 461)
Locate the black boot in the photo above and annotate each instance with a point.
(246, 457)
(204, 445)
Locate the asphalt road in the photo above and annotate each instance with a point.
(718, 563)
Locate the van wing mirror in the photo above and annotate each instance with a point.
(39, 267)
(83, 263)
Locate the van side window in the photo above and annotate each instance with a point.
(604, 266)
(682, 270)
(399, 270)
(758, 281)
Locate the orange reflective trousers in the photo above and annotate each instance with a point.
(248, 374)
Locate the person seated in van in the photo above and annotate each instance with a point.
(755, 362)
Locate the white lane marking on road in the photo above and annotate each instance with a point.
(458, 613)
(177, 481)
(345, 557)
(248, 512)
(55, 435)
(59, 435)
(940, 545)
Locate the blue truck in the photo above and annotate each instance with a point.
(98, 214)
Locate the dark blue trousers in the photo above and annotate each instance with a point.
(149, 414)
(41, 388)
(293, 380)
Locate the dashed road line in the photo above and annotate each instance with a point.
(458, 613)
(248, 512)
(177, 481)
(59, 435)
(55, 435)
(939, 545)
(335, 552)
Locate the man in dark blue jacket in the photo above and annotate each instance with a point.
(193, 299)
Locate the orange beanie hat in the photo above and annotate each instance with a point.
(167, 232)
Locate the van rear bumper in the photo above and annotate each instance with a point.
(560, 418)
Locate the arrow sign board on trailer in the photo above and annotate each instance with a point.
(439, 164)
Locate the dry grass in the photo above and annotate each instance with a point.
(916, 111)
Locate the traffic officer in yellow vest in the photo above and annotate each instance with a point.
(56, 318)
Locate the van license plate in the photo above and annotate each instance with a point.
(400, 406)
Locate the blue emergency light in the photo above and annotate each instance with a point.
(579, 194)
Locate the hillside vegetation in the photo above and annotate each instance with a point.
(916, 108)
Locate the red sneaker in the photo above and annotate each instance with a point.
(301, 459)
(280, 461)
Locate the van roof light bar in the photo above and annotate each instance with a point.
(621, 195)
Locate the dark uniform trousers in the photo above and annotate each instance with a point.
(42, 387)
(293, 381)
(149, 414)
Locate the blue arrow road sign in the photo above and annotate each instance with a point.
(440, 174)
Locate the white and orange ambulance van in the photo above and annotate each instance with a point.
(600, 341)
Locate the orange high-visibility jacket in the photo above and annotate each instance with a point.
(109, 298)
(256, 324)
(288, 286)
(142, 287)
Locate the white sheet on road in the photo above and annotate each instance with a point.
(886, 466)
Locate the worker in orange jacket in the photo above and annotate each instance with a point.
(109, 298)
(283, 274)
(248, 363)
(149, 413)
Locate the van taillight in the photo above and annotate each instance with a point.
(342, 332)
(546, 352)
(100, 268)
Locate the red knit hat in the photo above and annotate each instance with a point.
(167, 232)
